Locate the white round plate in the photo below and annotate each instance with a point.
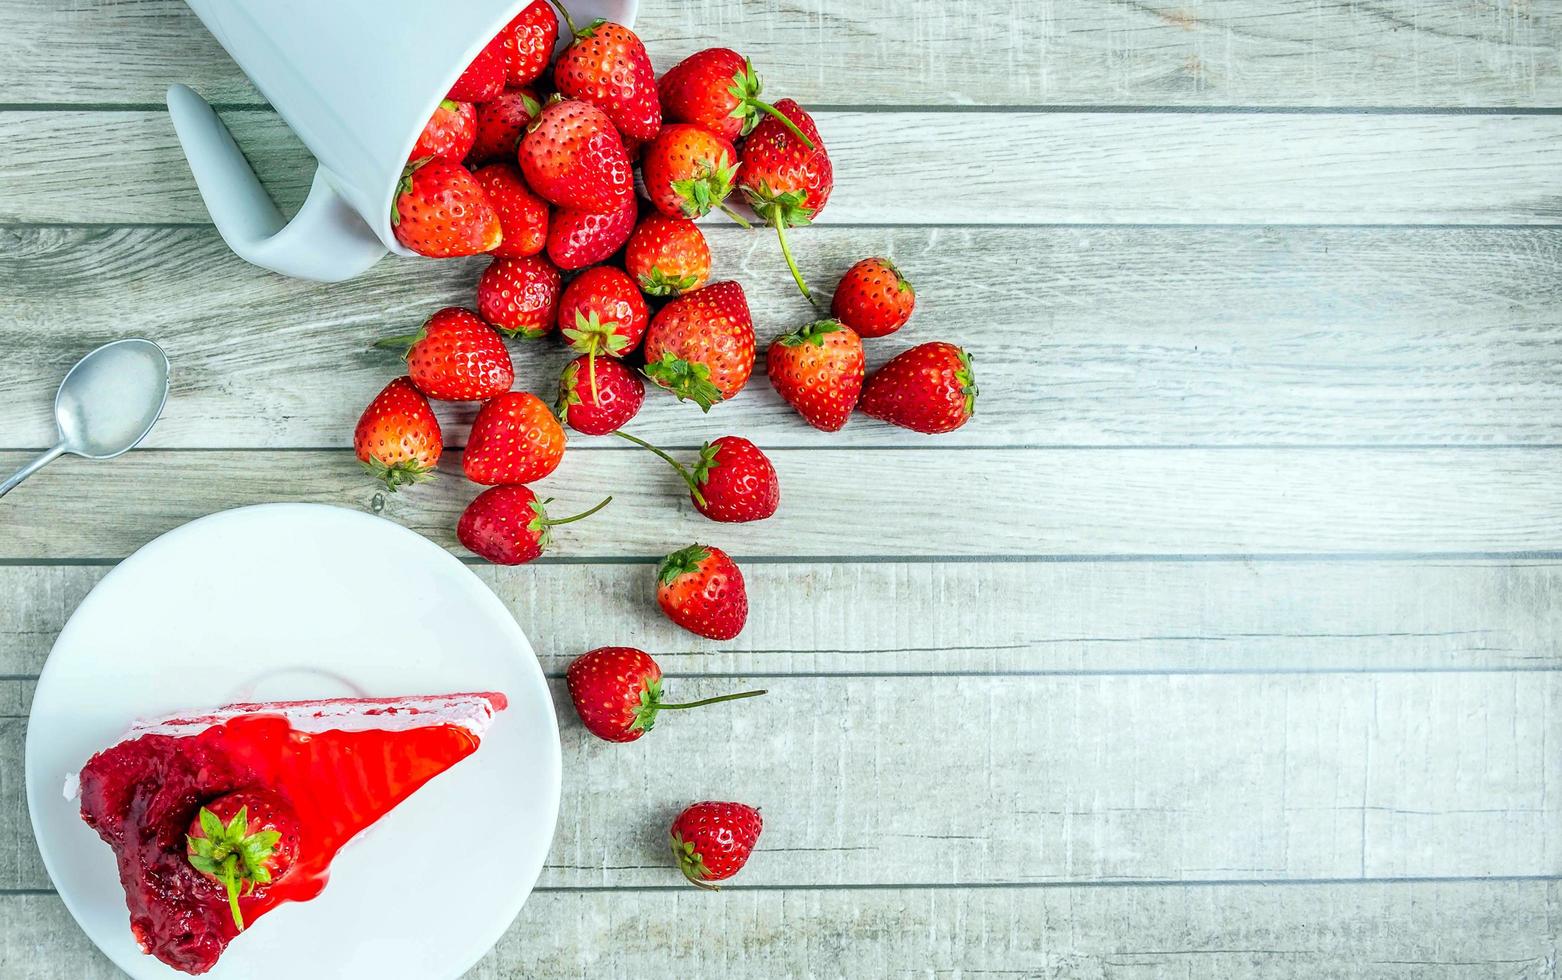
(290, 601)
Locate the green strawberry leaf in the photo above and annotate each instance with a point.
(690, 381)
(684, 561)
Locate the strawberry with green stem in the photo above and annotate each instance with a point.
(717, 90)
(243, 840)
(607, 65)
(930, 388)
(667, 256)
(701, 589)
(733, 481)
(701, 345)
(509, 525)
(602, 312)
(398, 439)
(597, 410)
(455, 356)
(711, 841)
(688, 172)
(617, 692)
(442, 211)
(818, 370)
(786, 181)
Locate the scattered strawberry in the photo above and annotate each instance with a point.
(484, 77)
(581, 238)
(448, 135)
(573, 157)
(244, 840)
(668, 256)
(733, 482)
(818, 370)
(518, 296)
(528, 43)
(929, 388)
(607, 66)
(441, 211)
(688, 171)
(701, 589)
(523, 216)
(701, 345)
(617, 692)
(717, 90)
(602, 312)
(873, 298)
(786, 182)
(501, 123)
(610, 405)
(509, 526)
(455, 357)
(712, 841)
(515, 439)
(398, 438)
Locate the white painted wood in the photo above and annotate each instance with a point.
(1082, 336)
(902, 167)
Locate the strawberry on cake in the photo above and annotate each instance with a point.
(217, 818)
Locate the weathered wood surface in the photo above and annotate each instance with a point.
(1082, 336)
(982, 52)
(937, 619)
(990, 168)
(1499, 930)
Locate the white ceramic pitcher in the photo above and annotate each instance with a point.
(356, 80)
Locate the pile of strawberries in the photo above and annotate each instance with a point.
(546, 184)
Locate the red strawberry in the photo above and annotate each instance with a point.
(441, 211)
(688, 171)
(712, 841)
(484, 77)
(701, 589)
(716, 90)
(873, 298)
(455, 357)
(518, 295)
(701, 345)
(619, 393)
(929, 388)
(787, 183)
(501, 123)
(515, 439)
(448, 135)
(243, 839)
(509, 526)
(573, 157)
(528, 42)
(607, 66)
(818, 370)
(617, 692)
(602, 312)
(398, 438)
(733, 482)
(581, 238)
(668, 256)
(522, 214)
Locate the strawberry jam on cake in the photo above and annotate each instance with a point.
(216, 819)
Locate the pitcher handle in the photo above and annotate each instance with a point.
(327, 241)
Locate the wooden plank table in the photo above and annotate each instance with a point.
(1227, 640)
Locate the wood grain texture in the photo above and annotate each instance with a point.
(1082, 336)
(896, 780)
(1006, 617)
(897, 167)
(1497, 931)
(1088, 52)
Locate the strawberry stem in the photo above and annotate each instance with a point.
(781, 116)
(683, 471)
(591, 368)
(550, 522)
(726, 209)
(568, 20)
(704, 701)
(786, 252)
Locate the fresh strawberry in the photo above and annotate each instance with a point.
(573, 157)
(716, 90)
(455, 357)
(509, 526)
(873, 298)
(712, 841)
(448, 135)
(617, 692)
(518, 296)
(701, 345)
(667, 256)
(929, 388)
(484, 77)
(244, 840)
(610, 405)
(701, 589)
(398, 438)
(602, 312)
(733, 481)
(607, 66)
(581, 238)
(522, 215)
(441, 211)
(688, 171)
(515, 439)
(501, 123)
(786, 182)
(528, 43)
(818, 370)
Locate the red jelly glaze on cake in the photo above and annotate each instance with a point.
(141, 795)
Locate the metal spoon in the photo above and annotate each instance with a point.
(107, 404)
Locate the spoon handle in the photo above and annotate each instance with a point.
(30, 469)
